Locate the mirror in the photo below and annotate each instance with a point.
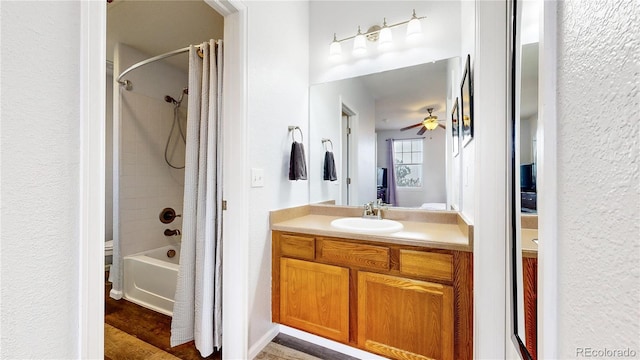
(524, 185)
(373, 118)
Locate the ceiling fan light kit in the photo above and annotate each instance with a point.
(429, 123)
(375, 33)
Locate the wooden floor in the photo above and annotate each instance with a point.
(133, 332)
(144, 325)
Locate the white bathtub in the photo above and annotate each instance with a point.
(150, 278)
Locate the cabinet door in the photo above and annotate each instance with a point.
(315, 298)
(403, 318)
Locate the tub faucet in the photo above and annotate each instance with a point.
(169, 232)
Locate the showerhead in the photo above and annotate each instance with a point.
(170, 99)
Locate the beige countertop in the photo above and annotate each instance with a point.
(529, 247)
(446, 234)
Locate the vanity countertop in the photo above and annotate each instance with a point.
(529, 247)
(446, 234)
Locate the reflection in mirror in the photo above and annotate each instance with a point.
(524, 189)
(528, 127)
(391, 135)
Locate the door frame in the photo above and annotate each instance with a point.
(92, 173)
(349, 165)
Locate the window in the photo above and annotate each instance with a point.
(407, 155)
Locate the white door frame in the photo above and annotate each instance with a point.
(92, 183)
(489, 74)
(547, 184)
(92, 173)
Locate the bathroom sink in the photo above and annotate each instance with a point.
(367, 225)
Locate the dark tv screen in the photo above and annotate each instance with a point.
(382, 177)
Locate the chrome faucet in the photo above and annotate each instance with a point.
(373, 209)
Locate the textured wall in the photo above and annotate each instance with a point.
(598, 184)
(40, 180)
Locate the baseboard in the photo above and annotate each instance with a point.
(255, 349)
(329, 344)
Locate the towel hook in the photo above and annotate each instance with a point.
(325, 141)
(293, 128)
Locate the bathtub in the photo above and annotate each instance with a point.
(150, 278)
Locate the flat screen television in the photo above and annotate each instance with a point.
(382, 177)
(528, 177)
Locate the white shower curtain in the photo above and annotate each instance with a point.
(197, 312)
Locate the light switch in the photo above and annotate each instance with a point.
(257, 177)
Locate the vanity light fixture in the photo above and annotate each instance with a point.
(386, 40)
(377, 33)
(359, 44)
(414, 29)
(335, 50)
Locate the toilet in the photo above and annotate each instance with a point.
(108, 253)
(108, 258)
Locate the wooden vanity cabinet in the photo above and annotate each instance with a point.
(405, 318)
(402, 302)
(315, 297)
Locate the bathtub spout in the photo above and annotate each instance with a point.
(169, 232)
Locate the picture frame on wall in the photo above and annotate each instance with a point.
(455, 129)
(466, 103)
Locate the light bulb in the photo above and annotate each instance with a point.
(335, 50)
(430, 124)
(414, 29)
(359, 44)
(385, 39)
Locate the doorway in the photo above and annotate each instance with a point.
(92, 61)
(346, 126)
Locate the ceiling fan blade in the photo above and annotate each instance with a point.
(442, 126)
(422, 130)
(411, 127)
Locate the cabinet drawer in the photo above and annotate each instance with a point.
(427, 264)
(297, 246)
(360, 255)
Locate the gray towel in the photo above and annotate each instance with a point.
(297, 164)
(329, 167)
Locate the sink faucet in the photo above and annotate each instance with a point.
(373, 209)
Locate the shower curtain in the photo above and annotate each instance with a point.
(197, 312)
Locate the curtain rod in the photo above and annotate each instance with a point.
(150, 60)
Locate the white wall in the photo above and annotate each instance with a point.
(108, 163)
(40, 179)
(467, 155)
(278, 96)
(325, 122)
(453, 162)
(433, 189)
(528, 130)
(598, 181)
(146, 183)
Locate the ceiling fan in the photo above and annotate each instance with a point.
(429, 123)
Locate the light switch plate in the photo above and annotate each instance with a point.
(257, 177)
